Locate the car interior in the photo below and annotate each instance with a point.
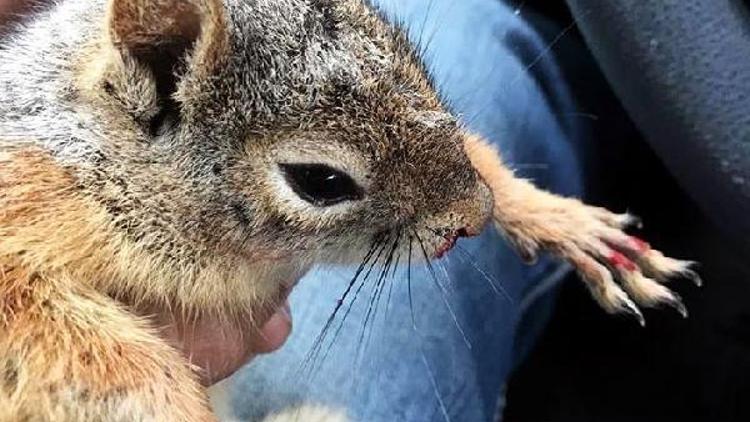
(664, 88)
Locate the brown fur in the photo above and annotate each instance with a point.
(67, 351)
(141, 161)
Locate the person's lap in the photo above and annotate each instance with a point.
(450, 363)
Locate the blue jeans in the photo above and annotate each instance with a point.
(473, 324)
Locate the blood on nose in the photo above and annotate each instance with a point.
(452, 237)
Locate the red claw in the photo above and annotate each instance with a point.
(618, 260)
(639, 245)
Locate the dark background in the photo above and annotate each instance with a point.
(592, 367)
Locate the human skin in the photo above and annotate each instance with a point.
(217, 349)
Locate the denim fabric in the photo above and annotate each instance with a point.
(453, 362)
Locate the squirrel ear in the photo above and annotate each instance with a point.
(169, 40)
(147, 28)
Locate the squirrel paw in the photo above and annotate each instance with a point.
(590, 238)
(622, 271)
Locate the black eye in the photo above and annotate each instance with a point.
(321, 185)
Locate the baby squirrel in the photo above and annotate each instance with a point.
(199, 155)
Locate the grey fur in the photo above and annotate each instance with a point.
(327, 71)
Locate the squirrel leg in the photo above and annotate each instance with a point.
(591, 239)
(71, 354)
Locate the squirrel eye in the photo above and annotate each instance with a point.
(321, 185)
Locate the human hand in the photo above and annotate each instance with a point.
(219, 349)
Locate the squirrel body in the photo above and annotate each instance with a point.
(200, 156)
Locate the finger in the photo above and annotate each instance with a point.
(275, 332)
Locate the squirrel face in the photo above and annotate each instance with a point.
(295, 130)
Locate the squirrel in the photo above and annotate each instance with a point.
(197, 155)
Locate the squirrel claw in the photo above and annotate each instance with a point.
(677, 303)
(694, 277)
(623, 272)
(631, 309)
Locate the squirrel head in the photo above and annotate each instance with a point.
(299, 131)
